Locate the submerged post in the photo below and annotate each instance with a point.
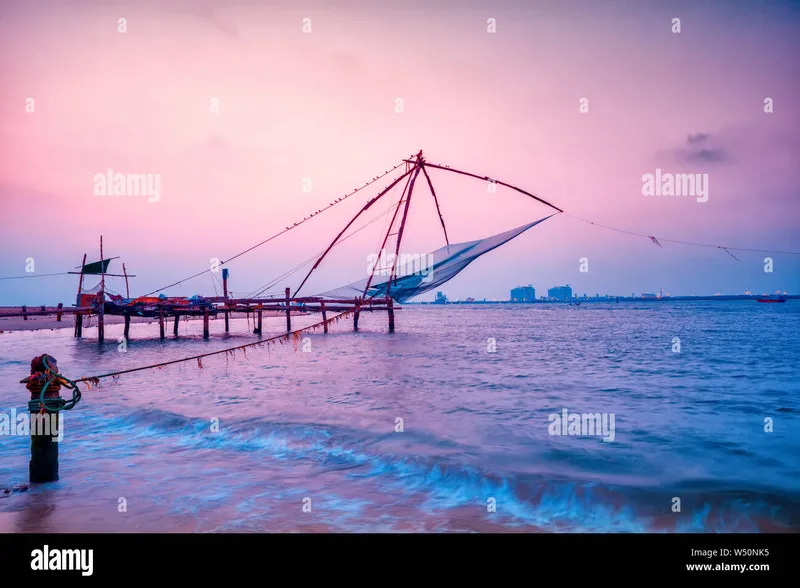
(288, 312)
(390, 307)
(205, 325)
(79, 325)
(324, 318)
(45, 435)
(127, 330)
(175, 326)
(161, 324)
(355, 316)
(58, 315)
(258, 328)
(24, 312)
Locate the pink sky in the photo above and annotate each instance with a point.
(321, 105)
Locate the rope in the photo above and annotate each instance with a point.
(96, 379)
(315, 257)
(33, 276)
(286, 230)
(656, 240)
(52, 404)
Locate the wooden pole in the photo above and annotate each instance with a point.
(127, 330)
(175, 326)
(205, 325)
(355, 316)
(127, 290)
(288, 312)
(45, 430)
(339, 236)
(390, 306)
(101, 332)
(324, 317)
(79, 318)
(258, 328)
(388, 233)
(24, 312)
(161, 324)
(225, 294)
(436, 200)
(102, 297)
(58, 316)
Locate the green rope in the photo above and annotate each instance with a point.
(55, 404)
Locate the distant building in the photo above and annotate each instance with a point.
(523, 294)
(560, 293)
(650, 296)
(440, 298)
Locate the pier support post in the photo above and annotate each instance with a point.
(58, 315)
(288, 312)
(24, 313)
(79, 325)
(45, 427)
(355, 315)
(258, 328)
(161, 325)
(127, 331)
(205, 325)
(101, 331)
(175, 326)
(324, 318)
(390, 307)
(225, 294)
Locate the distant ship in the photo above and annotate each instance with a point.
(778, 299)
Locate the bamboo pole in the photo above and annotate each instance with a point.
(288, 312)
(127, 290)
(101, 332)
(339, 236)
(79, 318)
(225, 294)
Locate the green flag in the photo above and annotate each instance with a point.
(98, 267)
